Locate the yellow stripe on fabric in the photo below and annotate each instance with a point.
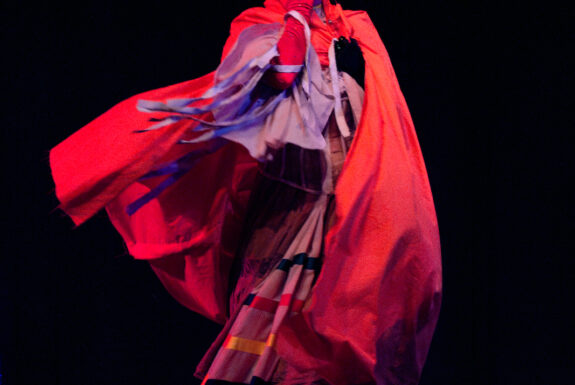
(249, 346)
(271, 340)
(245, 345)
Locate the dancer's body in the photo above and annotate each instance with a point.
(317, 248)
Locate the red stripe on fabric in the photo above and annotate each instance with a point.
(264, 304)
(285, 300)
(271, 305)
(297, 305)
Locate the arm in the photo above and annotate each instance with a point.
(291, 46)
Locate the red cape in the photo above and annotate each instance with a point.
(376, 302)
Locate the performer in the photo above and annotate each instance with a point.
(278, 198)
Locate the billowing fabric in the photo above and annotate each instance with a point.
(374, 306)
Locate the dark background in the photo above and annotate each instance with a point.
(489, 89)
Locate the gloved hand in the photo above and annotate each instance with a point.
(292, 45)
(350, 59)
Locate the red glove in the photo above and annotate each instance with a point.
(291, 46)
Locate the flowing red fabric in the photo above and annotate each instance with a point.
(375, 305)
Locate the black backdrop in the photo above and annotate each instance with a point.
(488, 88)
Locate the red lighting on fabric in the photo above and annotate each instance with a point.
(376, 301)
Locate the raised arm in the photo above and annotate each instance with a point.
(291, 46)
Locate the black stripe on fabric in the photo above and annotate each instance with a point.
(254, 381)
(285, 265)
(313, 264)
(300, 259)
(250, 299)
